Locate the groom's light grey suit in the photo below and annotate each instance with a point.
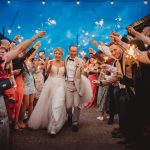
(73, 71)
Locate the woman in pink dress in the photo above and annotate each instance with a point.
(92, 71)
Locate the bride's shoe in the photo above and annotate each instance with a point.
(101, 118)
(52, 135)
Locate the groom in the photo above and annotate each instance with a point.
(73, 70)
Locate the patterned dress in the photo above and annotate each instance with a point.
(29, 81)
(39, 81)
(102, 95)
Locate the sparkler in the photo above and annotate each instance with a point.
(131, 52)
(106, 58)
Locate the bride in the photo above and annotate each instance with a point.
(50, 110)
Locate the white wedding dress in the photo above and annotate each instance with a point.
(50, 110)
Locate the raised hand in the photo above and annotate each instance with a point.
(16, 38)
(37, 45)
(94, 43)
(115, 39)
(115, 33)
(101, 44)
(131, 30)
(39, 35)
(117, 75)
(96, 82)
(92, 51)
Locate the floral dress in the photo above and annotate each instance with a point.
(29, 80)
(39, 81)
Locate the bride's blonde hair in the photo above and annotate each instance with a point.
(59, 49)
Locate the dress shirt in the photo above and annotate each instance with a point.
(70, 70)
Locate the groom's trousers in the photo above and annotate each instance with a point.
(72, 102)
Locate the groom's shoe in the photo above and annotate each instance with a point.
(52, 135)
(75, 128)
(70, 121)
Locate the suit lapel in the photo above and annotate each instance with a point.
(76, 63)
(65, 65)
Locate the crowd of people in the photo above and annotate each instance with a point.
(43, 93)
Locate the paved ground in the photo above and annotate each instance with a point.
(92, 135)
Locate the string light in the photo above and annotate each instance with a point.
(100, 22)
(20, 40)
(78, 2)
(8, 1)
(87, 33)
(36, 31)
(19, 27)
(145, 2)
(9, 31)
(43, 2)
(112, 2)
(93, 35)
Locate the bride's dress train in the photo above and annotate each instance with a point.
(50, 110)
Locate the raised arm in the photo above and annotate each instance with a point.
(138, 35)
(23, 46)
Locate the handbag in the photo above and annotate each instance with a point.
(5, 84)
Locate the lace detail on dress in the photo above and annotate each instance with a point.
(57, 72)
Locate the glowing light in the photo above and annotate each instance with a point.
(36, 31)
(131, 50)
(112, 2)
(87, 33)
(118, 26)
(20, 40)
(19, 27)
(22, 37)
(43, 2)
(51, 21)
(85, 44)
(100, 22)
(82, 53)
(93, 35)
(9, 31)
(9, 1)
(106, 58)
(78, 2)
(118, 19)
(49, 41)
(145, 2)
(39, 67)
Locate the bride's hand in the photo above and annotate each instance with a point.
(49, 65)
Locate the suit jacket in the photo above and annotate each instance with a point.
(78, 72)
(126, 66)
(125, 69)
